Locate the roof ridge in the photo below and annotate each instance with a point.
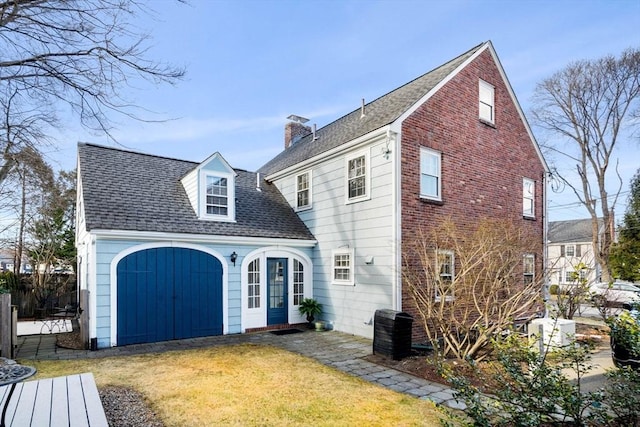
(428, 72)
(349, 126)
(401, 86)
(130, 151)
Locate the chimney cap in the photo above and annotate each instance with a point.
(297, 119)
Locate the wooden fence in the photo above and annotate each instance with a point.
(8, 323)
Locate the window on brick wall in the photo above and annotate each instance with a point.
(529, 269)
(528, 197)
(445, 266)
(487, 108)
(430, 174)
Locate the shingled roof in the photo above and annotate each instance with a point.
(571, 231)
(378, 113)
(125, 190)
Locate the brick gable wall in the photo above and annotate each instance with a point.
(482, 165)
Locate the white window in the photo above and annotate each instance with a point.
(342, 266)
(217, 196)
(446, 274)
(583, 274)
(430, 178)
(486, 95)
(217, 202)
(569, 276)
(253, 284)
(528, 197)
(529, 269)
(298, 282)
(357, 177)
(570, 250)
(303, 190)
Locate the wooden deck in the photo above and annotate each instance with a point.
(63, 401)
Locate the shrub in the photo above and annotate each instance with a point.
(625, 338)
(532, 388)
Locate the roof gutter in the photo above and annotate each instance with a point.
(201, 238)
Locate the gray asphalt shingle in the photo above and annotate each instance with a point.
(574, 230)
(125, 190)
(378, 113)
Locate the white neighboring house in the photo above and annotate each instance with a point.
(569, 249)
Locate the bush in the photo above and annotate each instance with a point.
(533, 389)
(625, 338)
(8, 280)
(553, 289)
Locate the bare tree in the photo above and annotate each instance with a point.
(468, 287)
(572, 295)
(589, 105)
(84, 54)
(34, 179)
(50, 235)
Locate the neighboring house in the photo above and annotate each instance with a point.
(327, 217)
(7, 259)
(570, 252)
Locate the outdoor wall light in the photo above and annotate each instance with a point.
(234, 257)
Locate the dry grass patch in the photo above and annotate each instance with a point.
(249, 385)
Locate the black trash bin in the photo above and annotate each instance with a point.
(392, 333)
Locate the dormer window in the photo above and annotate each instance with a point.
(217, 202)
(211, 190)
(217, 195)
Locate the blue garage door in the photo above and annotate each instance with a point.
(168, 293)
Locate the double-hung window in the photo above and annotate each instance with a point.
(217, 201)
(529, 269)
(570, 250)
(528, 197)
(569, 276)
(487, 107)
(342, 266)
(446, 274)
(217, 196)
(303, 190)
(430, 174)
(357, 177)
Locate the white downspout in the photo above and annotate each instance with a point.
(396, 221)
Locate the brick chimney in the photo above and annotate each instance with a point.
(295, 130)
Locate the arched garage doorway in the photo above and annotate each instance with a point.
(168, 293)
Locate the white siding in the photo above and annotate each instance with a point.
(364, 226)
(190, 184)
(560, 265)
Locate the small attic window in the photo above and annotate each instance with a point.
(217, 200)
(217, 196)
(211, 189)
(487, 106)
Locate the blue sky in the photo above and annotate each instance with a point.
(250, 64)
